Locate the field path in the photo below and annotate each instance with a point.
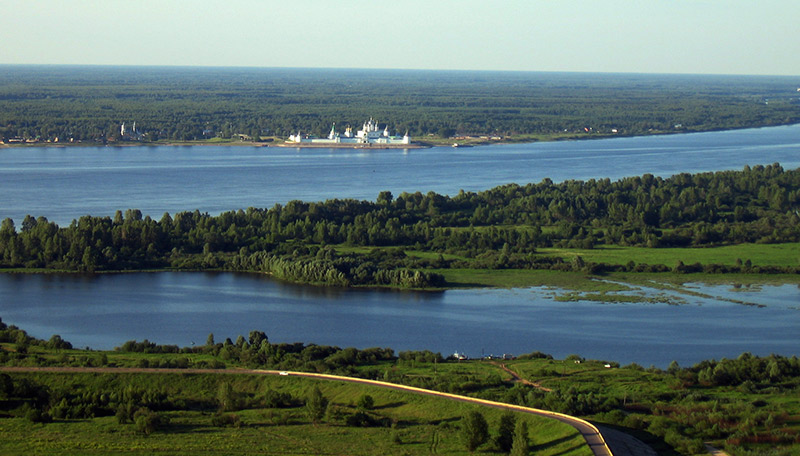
(516, 378)
(715, 451)
(589, 432)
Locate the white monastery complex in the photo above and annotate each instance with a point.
(368, 135)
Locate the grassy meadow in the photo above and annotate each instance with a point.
(419, 424)
(787, 254)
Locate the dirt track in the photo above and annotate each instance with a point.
(515, 377)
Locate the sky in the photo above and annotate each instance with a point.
(630, 36)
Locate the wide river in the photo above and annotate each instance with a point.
(181, 308)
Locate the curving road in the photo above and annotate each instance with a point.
(589, 432)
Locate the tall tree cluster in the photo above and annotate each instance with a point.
(497, 228)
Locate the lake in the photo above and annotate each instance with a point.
(103, 311)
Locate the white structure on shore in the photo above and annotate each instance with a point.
(369, 134)
(130, 133)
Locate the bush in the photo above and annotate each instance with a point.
(35, 415)
(364, 419)
(275, 399)
(226, 419)
(365, 402)
(148, 421)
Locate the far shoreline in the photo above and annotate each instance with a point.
(421, 144)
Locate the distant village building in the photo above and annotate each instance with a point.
(369, 134)
(130, 134)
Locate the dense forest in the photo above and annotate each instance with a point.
(90, 103)
(349, 242)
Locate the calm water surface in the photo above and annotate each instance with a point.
(180, 308)
(63, 184)
(103, 311)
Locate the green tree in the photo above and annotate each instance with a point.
(385, 198)
(226, 397)
(520, 445)
(474, 430)
(7, 226)
(366, 402)
(89, 260)
(316, 406)
(240, 341)
(256, 338)
(505, 432)
(673, 368)
(6, 386)
(57, 343)
(148, 421)
(22, 342)
(446, 132)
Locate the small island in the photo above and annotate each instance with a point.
(735, 226)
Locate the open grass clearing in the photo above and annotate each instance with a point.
(759, 254)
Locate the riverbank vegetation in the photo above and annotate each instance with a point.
(748, 405)
(87, 105)
(734, 223)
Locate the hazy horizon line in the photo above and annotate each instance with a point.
(431, 70)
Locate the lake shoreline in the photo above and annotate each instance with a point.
(589, 288)
(101, 310)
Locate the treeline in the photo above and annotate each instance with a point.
(498, 228)
(338, 270)
(23, 341)
(90, 103)
(257, 351)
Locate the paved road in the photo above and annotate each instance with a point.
(620, 443)
(589, 432)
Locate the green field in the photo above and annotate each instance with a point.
(420, 424)
(746, 405)
(649, 402)
(787, 254)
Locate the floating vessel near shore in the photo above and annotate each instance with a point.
(370, 136)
